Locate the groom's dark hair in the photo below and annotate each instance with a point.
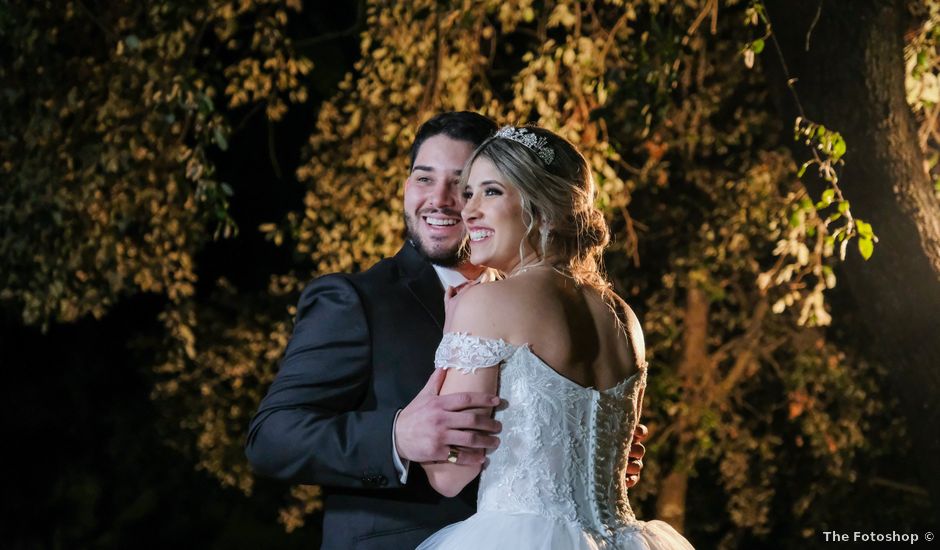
(459, 125)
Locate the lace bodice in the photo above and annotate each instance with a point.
(564, 448)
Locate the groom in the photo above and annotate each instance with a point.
(356, 398)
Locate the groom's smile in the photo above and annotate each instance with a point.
(438, 221)
(442, 227)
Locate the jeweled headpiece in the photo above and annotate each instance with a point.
(539, 145)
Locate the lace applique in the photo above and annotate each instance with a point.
(564, 448)
(468, 353)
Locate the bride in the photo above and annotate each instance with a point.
(564, 352)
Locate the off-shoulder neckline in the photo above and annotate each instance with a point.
(641, 369)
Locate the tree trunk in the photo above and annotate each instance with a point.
(693, 372)
(851, 79)
(670, 502)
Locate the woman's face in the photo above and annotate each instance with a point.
(493, 218)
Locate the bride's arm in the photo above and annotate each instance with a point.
(640, 433)
(470, 314)
(446, 478)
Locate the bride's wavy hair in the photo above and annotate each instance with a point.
(562, 223)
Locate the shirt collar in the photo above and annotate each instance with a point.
(451, 277)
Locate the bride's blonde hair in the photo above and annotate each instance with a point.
(562, 223)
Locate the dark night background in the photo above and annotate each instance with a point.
(86, 461)
(85, 446)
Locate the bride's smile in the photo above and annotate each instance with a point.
(493, 217)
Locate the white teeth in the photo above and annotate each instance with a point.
(480, 234)
(440, 221)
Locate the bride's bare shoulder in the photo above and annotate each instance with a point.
(629, 322)
(485, 296)
(487, 309)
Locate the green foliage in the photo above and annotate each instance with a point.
(755, 15)
(922, 82)
(109, 190)
(827, 148)
(108, 121)
(110, 118)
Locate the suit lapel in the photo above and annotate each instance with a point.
(422, 281)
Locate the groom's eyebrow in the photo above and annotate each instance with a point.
(422, 168)
(431, 169)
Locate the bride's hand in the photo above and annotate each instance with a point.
(637, 450)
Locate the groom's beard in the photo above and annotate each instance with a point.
(444, 258)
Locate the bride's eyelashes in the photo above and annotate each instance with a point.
(487, 192)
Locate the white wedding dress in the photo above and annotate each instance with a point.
(557, 480)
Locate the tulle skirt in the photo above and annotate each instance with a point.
(518, 531)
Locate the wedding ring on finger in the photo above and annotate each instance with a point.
(452, 455)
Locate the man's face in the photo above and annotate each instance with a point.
(433, 200)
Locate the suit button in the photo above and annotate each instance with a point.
(374, 480)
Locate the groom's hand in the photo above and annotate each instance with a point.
(431, 424)
(637, 450)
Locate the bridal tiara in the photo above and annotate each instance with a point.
(538, 145)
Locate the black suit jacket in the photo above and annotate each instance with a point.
(362, 348)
